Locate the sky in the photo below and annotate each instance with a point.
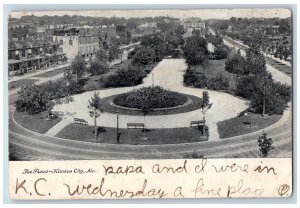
(184, 13)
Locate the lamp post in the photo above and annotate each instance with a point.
(152, 79)
(118, 134)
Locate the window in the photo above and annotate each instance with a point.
(70, 42)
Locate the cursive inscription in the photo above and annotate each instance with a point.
(102, 191)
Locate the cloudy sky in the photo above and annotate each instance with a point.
(202, 13)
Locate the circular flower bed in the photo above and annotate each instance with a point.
(152, 97)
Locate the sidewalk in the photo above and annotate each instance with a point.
(40, 71)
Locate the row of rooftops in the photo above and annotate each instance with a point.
(58, 26)
(32, 43)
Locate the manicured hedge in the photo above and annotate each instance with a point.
(152, 97)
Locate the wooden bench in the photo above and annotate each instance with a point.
(80, 121)
(197, 123)
(135, 126)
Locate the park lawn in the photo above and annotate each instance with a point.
(36, 122)
(19, 83)
(131, 136)
(245, 124)
(51, 73)
(214, 68)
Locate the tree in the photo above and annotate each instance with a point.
(265, 144)
(255, 63)
(205, 99)
(235, 63)
(196, 57)
(95, 108)
(143, 57)
(98, 67)
(205, 106)
(221, 51)
(113, 53)
(195, 50)
(102, 55)
(78, 67)
(179, 30)
(32, 99)
(125, 76)
(54, 58)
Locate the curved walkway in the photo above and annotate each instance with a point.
(35, 146)
(168, 74)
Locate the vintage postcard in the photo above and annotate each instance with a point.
(126, 104)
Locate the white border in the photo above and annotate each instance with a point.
(137, 2)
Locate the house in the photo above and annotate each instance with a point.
(31, 54)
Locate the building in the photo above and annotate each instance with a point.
(31, 54)
(75, 42)
(190, 25)
(147, 28)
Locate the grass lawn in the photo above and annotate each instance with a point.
(35, 122)
(214, 68)
(245, 124)
(51, 73)
(131, 136)
(19, 83)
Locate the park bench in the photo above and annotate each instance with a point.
(135, 126)
(197, 123)
(80, 121)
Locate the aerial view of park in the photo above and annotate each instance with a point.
(162, 87)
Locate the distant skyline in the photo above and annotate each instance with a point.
(178, 13)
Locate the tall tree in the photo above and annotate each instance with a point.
(205, 106)
(102, 55)
(255, 62)
(78, 67)
(113, 52)
(95, 109)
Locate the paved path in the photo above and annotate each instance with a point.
(168, 74)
